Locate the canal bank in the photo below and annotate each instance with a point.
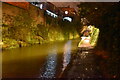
(85, 64)
(21, 27)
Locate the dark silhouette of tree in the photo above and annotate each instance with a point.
(105, 16)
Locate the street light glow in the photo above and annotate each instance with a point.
(66, 12)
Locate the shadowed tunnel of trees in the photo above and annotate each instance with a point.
(106, 17)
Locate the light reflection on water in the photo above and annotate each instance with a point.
(50, 67)
(67, 54)
(51, 63)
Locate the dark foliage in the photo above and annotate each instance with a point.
(105, 16)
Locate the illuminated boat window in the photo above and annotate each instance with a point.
(51, 14)
(68, 19)
(41, 6)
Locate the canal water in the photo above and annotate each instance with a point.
(46, 60)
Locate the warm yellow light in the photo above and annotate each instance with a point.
(87, 41)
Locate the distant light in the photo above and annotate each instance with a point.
(41, 6)
(67, 18)
(96, 8)
(89, 26)
(83, 38)
(66, 12)
(87, 41)
(51, 14)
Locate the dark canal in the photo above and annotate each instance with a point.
(47, 60)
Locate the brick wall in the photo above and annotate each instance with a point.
(35, 13)
(24, 5)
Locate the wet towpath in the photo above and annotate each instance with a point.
(84, 64)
